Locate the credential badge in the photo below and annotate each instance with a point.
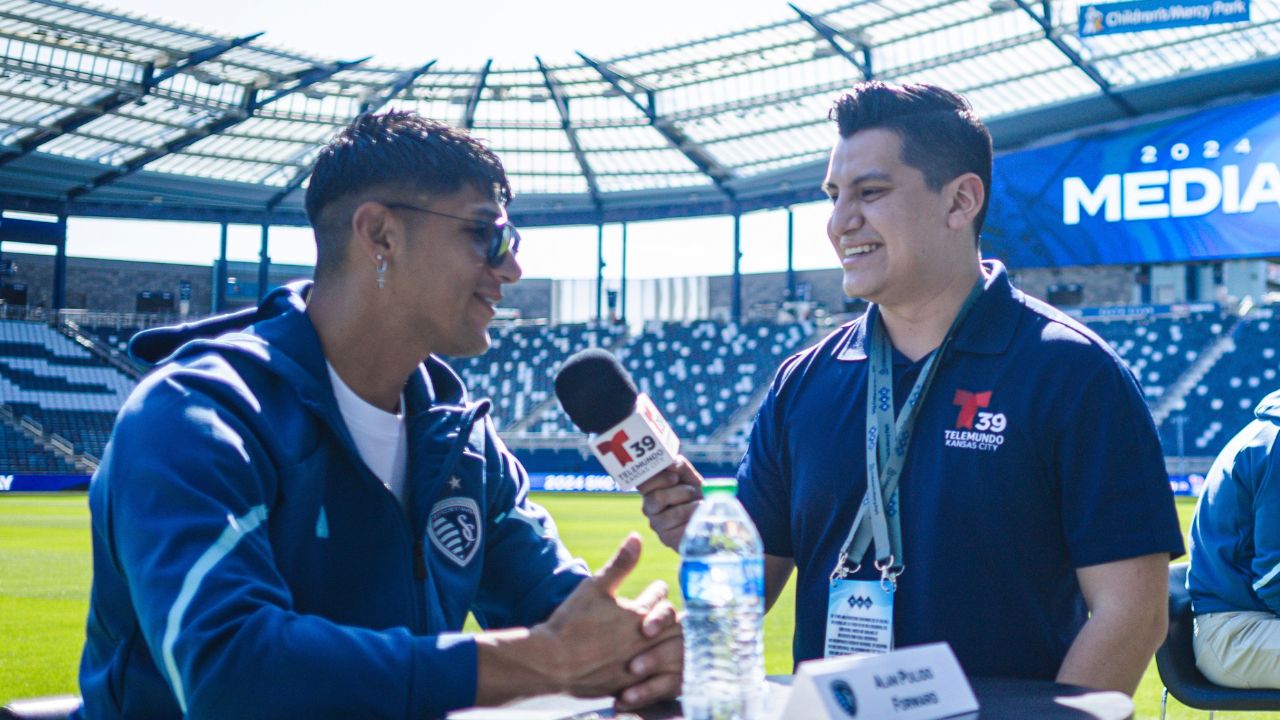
(454, 528)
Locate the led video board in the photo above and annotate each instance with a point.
(1196, 187)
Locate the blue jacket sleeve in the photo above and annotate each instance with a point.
(1265, 471)
(187, 507)
(528, 571)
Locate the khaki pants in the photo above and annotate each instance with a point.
(1239, 649)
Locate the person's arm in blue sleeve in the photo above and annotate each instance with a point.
(1120, 525)
(189, 523)
(764, 487)
(190, 529)
(1266, 519)
(528, 572)
(530, 577)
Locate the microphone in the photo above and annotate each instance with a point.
(628, 435)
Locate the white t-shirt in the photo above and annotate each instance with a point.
(378, 434)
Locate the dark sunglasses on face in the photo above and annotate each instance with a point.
(503, 236)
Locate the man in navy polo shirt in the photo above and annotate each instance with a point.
(1022, 512)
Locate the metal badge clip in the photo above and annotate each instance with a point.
(888, 574)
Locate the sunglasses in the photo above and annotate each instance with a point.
(503, 237)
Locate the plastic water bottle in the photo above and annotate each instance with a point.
(722, 578)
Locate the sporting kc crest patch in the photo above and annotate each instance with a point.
(454, 528)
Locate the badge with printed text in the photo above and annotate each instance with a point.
(859, 618)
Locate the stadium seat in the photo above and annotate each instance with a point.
(1176, 662)
(1223, 401)
(56, 707)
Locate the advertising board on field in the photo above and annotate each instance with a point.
(15, 482)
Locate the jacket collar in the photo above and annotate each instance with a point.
(987, 330)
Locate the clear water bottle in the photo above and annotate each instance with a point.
(722, 578)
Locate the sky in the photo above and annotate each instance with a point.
(402, 33)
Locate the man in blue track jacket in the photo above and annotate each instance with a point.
(300, 506)
(1234, 578)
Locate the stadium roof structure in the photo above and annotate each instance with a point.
(112, 115)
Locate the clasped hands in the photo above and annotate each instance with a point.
(609, 645)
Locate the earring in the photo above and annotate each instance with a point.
(382, 272)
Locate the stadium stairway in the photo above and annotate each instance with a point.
(734, 430)
(99, 342)
(1222, 402)
(29, 448)
(70, 394)
(1177, 392)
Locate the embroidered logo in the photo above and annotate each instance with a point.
(975, 429)
(454, 528)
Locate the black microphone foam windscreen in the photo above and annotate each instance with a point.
(595, 391)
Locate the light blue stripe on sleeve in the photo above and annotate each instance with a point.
(226, 542)
(1267, 578)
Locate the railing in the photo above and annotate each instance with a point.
(22, 312)
(95, 319)
(54, 440)
(1187, 465)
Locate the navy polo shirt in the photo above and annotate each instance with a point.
(1033, 455)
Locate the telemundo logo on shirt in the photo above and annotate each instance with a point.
(1158, 15)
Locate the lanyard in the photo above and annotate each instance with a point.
(887, 441)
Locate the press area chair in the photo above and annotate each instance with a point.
(1176, 662)
(54, 707)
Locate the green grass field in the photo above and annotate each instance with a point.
(45, 569)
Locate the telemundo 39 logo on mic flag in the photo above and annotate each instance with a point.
(638, 448)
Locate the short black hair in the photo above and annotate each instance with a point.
(941, 135)
(402, 152)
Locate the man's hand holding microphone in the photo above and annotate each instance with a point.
(633, 441)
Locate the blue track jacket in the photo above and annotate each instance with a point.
(247, 564)
(1235, 535)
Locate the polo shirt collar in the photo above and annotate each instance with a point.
(987, 330)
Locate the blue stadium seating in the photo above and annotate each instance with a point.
(1224, 400)
(20, 454)
(700, 374)
(114, 339)
(1159, 350)
(49, 378)
(518, 372)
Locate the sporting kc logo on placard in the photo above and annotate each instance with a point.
(977, 427)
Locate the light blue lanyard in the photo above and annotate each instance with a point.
(887, 442)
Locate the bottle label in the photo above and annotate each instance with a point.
(722, 581)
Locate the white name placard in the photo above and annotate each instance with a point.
(924, 682)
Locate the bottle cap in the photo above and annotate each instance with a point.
(728, 485)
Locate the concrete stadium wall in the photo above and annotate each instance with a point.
(113, 285)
